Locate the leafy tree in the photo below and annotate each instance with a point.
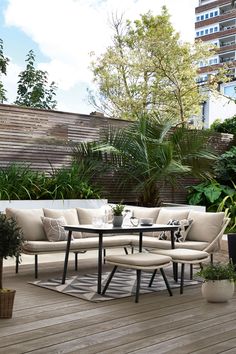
(148, 70)
(3, 70)
(33, 89)
(147, 153)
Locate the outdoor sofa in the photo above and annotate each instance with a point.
(205, 231)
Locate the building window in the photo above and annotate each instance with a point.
(206, 31)
(216, 13)
(202, 33)
(198, 18)
(211, 14)
(211, 30)
(230, 91)
(197, 34)
(202, 17)
(215, 29)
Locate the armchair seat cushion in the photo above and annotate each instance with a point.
(152, 242)
(76, 244)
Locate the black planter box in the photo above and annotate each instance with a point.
(232, 247)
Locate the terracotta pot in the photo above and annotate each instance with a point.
(6, 303)
(218, 290)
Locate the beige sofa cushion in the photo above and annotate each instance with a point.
(144, 212)
(168, 214)
(70, 216)
(86, 217)
(205, 226)
(30, 222)
(54, 229)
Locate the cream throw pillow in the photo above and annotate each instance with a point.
(54, 229)
(70, 216)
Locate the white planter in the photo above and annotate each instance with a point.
(218, 290)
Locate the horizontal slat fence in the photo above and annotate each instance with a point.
(42, 138)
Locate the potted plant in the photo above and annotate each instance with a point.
(117, 211)
(219, 278)
(10, 246)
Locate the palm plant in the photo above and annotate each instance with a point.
(147, 152)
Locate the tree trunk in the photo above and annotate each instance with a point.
(1, 271)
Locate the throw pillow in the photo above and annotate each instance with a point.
(54, 229)
(179, 235)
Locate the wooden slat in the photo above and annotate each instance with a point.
(35, 137)
(47, 322)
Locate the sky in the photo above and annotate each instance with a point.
(63, 33)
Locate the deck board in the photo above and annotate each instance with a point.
(45, 321)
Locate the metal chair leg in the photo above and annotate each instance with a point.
(182, 279)
(191, 272)
(104, 255)
(17, 264)
(76, 261)
(166, 281)
(138, 284)
(211, 255)
(109, 280)
(152, 278)
(36, 266)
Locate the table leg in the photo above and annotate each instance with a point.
(100, 245)
(66, 257)
(140, 241)
(175, 265)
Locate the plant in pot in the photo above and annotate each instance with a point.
(219, 279)
(11, 240)
(117, 211)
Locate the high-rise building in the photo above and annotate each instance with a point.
(216, 24)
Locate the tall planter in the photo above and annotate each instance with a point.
(6, 303)
(232, 247)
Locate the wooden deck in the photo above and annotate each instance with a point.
(47, 322)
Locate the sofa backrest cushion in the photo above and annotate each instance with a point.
(30, 222)
(144, 212)
(70, 216)
(206, 226)
(86, 217)
(165, 215)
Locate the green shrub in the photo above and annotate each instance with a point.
(225, 167)
(228, 126)
(216, 197)
(20, 182)
(218, 271)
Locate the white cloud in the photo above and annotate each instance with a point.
(66, 31)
